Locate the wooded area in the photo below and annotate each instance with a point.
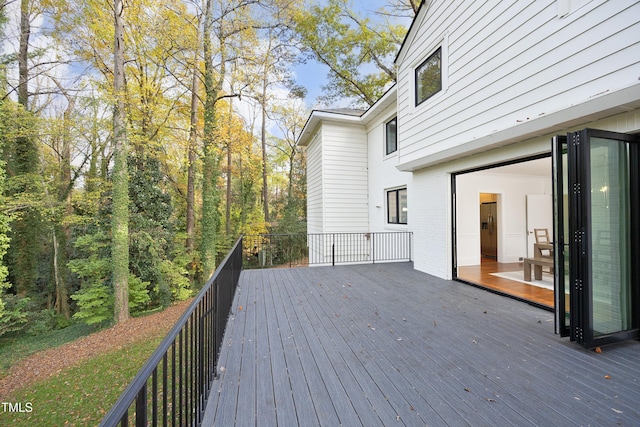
(139, 139)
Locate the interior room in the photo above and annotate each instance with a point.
(498, 211)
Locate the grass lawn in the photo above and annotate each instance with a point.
(83, 394)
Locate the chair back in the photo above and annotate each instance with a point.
(541, 235)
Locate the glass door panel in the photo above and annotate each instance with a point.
(603, 193)
(610, 246)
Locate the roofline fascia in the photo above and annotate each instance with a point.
(318, 116)
(372, 111)
(412, 28)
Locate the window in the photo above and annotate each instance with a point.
(391, 136)
(429, 77)
(397, 206)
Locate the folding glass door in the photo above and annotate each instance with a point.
(596, 206)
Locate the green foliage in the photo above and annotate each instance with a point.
(19, 131)
(13, 314)
(176, 277)
(95, 303)
(95, 297)
(151, 248)
(350, 46)
(138, 293)
(7, 315)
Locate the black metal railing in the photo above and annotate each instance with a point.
(173, 386)
(293, 250)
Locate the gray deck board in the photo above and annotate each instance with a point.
(386, 345)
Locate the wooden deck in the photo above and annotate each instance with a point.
(383, 344)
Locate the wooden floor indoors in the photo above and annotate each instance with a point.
(481, 275)
(386, 345)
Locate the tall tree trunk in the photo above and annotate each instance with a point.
(24, 251)
(61, 257)
(210, 196)
(120, 215)
(191, 159)
(265, 188)
(23, 54)
(229, 164)
(193, 143)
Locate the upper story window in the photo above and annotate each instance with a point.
(391, 136)
(397, 206)
(429, 77)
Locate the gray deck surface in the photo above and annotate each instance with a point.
(385, 345)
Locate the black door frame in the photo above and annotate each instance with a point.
(454, 247)
(561, 247)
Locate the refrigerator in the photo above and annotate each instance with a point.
(489, 230)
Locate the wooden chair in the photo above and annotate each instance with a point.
(543, 247)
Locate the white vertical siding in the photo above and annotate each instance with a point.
(314, 185)
(344, 168)
(510, 63)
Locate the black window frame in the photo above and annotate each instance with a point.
(393, 122)
(396, 193)
(419, 68)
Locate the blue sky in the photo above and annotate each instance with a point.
(312, 75)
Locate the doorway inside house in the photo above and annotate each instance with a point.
(497, 211)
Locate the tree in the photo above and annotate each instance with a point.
(120, 214)
(4, 230)
(225, 22)
(23, 175)
(350, 46)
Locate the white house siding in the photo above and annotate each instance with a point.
(383, 174)
(515, 67)
(430, 202)
(344, 168)
(315, 203)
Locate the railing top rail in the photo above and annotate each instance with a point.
(328, 234)
(121, 407)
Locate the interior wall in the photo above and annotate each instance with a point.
(512, 221)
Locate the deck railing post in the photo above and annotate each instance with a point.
(141, 407)
(333, 254)
(373, 247)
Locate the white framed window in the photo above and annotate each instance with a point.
(397, 206)
(391, 136)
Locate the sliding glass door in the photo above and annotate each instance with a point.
(602, 236)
